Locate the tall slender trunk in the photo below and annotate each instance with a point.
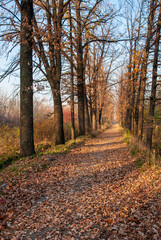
(94, 115)
(136, 93)
(144, 69)
(154, 83)
(80, 78)
(87, 117)
(133, 90)
(94, 109)
(136, 106)
(26, 87)
(72, 79)
(58, 112)
(129, 107)
(90, 92)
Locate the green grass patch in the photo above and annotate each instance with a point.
(7, 160)
(133, 152)
(139, 162)
(127, 137)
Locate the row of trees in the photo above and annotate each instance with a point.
(64, 43)
(140, 84)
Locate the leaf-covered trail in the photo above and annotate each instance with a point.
(94, 192)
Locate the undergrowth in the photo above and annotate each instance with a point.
(16, 165)
(144, 156)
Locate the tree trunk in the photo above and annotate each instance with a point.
(87, 118)
(154, 84)
(80, 78)
(58, 115)
(56, 72)
(72, 79)
(90, 92)
(100, 117)
(144, 69)
(136, 106)
(129, 107)
(94, 109)
(26, 87)
(136, 75)
(128, 118)
(58, 112)
(94, 115)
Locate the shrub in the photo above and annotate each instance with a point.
(44, 131)
(9, 139)
(9, 144)
(127, 136)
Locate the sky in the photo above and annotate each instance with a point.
(10, 84)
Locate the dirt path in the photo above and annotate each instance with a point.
(94, 192)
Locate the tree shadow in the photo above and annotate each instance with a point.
(84, 182)
(104, 144)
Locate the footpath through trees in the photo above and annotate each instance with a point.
(93, 192)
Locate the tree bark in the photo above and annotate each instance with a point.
(80, 78)
(94, 111)
(58, 112)
(154, 83)
(26, 78)
(144, 69)
(87, 117)
(129, 107)
(72, 79)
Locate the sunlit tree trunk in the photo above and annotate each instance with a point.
(154, 83)
(144, 69)
(94, 107)
(72, 79)
(129, 107)
(58, 113)
(87, 117)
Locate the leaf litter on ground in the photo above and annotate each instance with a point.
(93, 192)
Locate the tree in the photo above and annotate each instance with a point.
(26, 79)
(80, 78)
(72, 76)
(143, 75)
(154, 82)
(48, 47)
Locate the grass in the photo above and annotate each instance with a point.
(12, 165)
(139, 162)
(15, 165)
(144, 155)
(133, 152)
(127, 136)
(7, 160)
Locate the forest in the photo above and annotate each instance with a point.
(81, 119)
(97, 71)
